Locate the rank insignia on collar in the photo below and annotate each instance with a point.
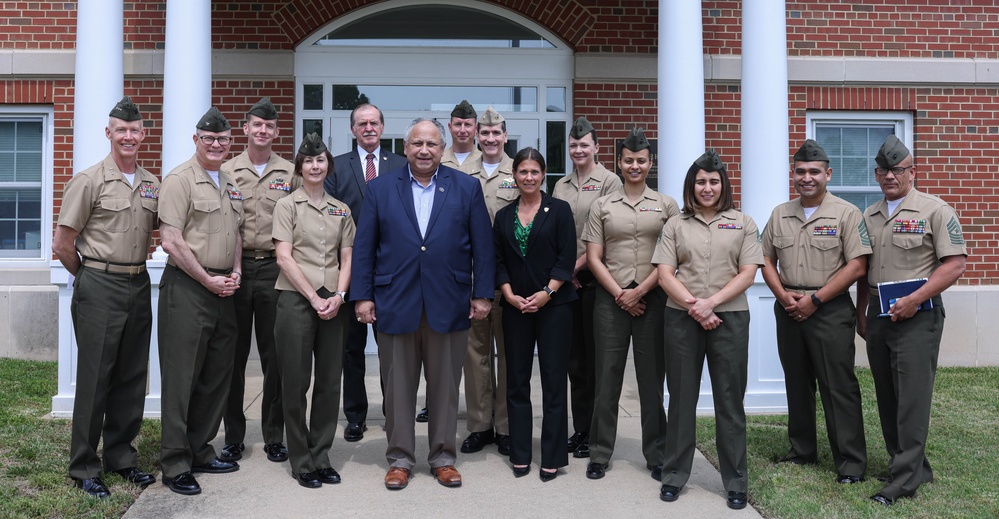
(909, 227)
(279, 184)
(730, 226)
(234, 193)
(824, 230)
(147, 190)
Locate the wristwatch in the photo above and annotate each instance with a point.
(343, 296)
(816, 301)
(549, 291)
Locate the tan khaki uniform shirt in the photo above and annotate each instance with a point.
(115, 220)
(208, 217)
(708, 254)
(910, 243)
(260, 194)
(498, 189)
(629, 231)
(581, 197)
(809, 253)
(451, 161)
(316, 234)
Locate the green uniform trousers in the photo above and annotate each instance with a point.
(197, 336)
(614, 329)
(302, 336)
(582, 370)
(903, 357)
(726, 349)
(821, 348)
(256, 304)
(113, 319)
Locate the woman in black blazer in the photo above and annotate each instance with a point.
(535, 253)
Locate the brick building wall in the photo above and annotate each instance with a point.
(956, 132)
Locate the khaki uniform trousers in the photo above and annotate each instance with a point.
(113, 320)
(302, 336)
(197, 337)
(485, 374)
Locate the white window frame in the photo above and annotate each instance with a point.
(47, 116)
(903, 130)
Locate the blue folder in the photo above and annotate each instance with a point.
(891, 291)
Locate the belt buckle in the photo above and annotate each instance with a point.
(134, 270)
(259, 255)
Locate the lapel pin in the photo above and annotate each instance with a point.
(441, 188)
(546, 209)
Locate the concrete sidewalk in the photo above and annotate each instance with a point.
(265, 489)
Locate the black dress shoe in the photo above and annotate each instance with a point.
(354, 431)
(737, 500)
(884, 479)
(308, 479)
(136, 477)
(276, 452)
(577, 439)
(595, 470)
(183, 484)
(657, 471)
(669, 493)
(232, 452)
(216, 466)
(93, 487)
(521, 471)
(503, 444)
(849, 480)
(423, 416)
(547, 476)
(583, 451)
(328, 476)
(880, 498)
(477, 440)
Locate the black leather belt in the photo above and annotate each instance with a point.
(259, 254)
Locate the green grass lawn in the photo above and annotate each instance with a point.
(963, 448)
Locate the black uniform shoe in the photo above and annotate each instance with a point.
(503, 444)
(183, 484)
(577, 439)
(477, 440)
(595, 470)
(657, 471)
(328, 475)
(216, 466)
(276, 452)
(93, 487)
(583, 451)
(849, 480)
(737, 500)
(354, 431)
(232, 452)
(136, 477)
(880, 498)
(307, 479)
(669, 493)
(423, 416)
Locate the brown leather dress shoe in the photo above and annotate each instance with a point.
(397, 478)
(447, 476)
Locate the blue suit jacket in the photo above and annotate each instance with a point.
(346, 182)
(406, 274)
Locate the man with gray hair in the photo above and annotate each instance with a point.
(423, 275)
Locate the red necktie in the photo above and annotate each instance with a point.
(369, 169)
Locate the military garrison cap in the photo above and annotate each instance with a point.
(213, 121)
(810, 151)
(580, 128)
(126, 110)
(636, 141)
(464, 110)
(312, 145)
(490, 117)
(710, 161)
(264, 109)
(891, 153)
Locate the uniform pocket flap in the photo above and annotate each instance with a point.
(206, 205)
(115, 204)
(907, 241)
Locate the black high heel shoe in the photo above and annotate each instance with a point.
(547, 476)
(521, 471)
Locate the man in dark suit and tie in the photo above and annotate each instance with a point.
(423, 267)
(352, 171)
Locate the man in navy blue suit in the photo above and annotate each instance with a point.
(423, 268)
(352, 171)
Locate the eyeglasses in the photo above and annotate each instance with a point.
(894, 171)
(209, 140)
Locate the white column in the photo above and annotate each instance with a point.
(681, 92)
(98, 84)
(764, 177)
(187, 76)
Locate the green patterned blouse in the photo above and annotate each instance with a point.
(520, 232)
